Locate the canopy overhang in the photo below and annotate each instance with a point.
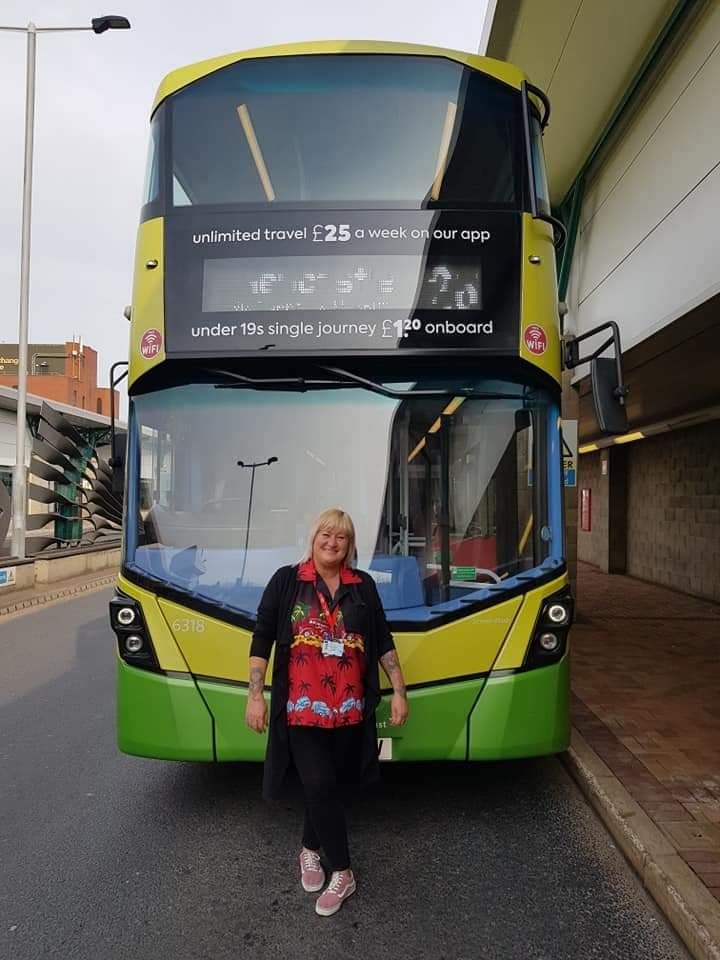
(587, 57)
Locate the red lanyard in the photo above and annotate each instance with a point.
(331, 618)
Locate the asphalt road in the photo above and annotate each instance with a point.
(106, 857)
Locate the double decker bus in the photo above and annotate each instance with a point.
(345, 295)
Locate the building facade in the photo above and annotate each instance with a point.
(634, 154)
(61, 372)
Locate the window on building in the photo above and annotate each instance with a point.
(98, 405)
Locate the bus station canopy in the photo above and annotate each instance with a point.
(586, 57)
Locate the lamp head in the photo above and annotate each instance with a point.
(101, 24)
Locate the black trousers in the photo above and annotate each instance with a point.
(321, 758)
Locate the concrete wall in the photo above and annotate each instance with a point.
(647, 246)
(41, 572)
(667, 528)
(674, 510)
(64, 568)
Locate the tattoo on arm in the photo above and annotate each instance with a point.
(257, 681)
(393, 671)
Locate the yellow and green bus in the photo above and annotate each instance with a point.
(345, 295)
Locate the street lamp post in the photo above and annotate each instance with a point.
(97, 25)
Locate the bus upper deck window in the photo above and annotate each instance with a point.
(393, 130)
(542, 191)
(151, 186)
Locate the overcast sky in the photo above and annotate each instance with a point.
(92, 104)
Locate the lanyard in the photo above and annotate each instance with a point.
(330, 617)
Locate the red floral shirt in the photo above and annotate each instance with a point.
(324, 691)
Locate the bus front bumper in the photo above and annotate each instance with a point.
(510, 716)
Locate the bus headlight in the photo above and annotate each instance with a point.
(133, 643)
(549, 642)
(126, 616)
(558, 613)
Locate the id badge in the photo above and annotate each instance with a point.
(332, 648)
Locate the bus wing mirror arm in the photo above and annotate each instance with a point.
(118, 440)
(606, 375)
(559, 228)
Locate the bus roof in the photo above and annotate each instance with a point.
(177, 79)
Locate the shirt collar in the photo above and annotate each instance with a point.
(308, 573)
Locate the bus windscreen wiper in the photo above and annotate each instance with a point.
(344, 378)
(468, 392)
(268, 383)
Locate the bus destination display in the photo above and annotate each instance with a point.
(341, 281)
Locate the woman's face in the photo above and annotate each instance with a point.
(330, 547)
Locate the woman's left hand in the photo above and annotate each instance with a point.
(398, 710)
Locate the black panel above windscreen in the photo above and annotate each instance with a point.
(339, 281)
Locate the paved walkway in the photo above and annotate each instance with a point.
(646, 698)
(41, 593)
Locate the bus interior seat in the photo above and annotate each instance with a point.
(398, 581)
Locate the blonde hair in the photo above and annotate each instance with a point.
(333, 519)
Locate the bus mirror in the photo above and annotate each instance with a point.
(117, 463)
(608, 396)
(606, 377)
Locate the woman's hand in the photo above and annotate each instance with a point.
(398, 704)
(398, 710)
(256, 710)
(256, 713)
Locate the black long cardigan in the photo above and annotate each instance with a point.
(363, 614)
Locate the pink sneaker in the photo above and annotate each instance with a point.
(312, 875)
(342, 885)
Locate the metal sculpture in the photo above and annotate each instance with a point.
(77, 488)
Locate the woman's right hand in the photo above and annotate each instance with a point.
(256, 713)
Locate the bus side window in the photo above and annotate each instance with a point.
(542, 191)
(151, 186)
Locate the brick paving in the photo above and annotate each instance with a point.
(646, 697)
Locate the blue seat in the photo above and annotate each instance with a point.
(398, 581)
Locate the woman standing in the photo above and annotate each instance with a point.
(329, 630)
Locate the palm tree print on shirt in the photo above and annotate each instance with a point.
(300, 658)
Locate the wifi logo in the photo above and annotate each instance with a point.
(535, 340)
(151, 344)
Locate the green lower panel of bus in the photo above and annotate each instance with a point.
(160, 716)
(513, 716)
(522, 715)
(436, 729)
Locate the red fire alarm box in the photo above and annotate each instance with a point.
(585, 509)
